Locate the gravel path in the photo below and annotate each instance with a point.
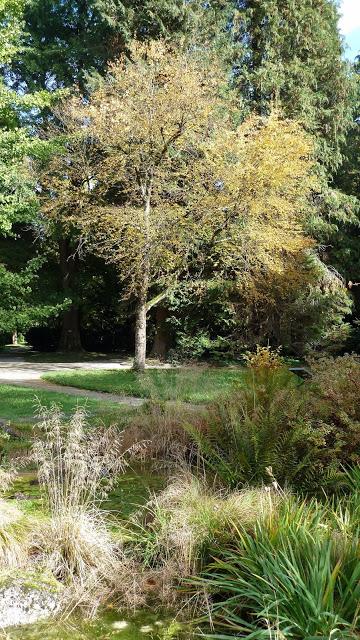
(15, 370)
(44, 385)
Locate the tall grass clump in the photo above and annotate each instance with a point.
(13, 537)
(162, 426)
(295, 576)
(13, 529)
(174, 533)
(161, 422)
(77, 466)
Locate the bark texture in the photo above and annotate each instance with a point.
(70, 339)
(162, 336)
(140, 336)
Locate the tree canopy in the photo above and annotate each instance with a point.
(162, 182)
(193, 153)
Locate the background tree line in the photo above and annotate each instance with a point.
(67, 282)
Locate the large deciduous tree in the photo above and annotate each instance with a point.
(291, 55)
(163, 182)
(64, 44)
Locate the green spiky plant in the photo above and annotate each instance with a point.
(272, 426)
(296, 577)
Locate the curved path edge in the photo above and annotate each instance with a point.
(114, 398)
(16, 371)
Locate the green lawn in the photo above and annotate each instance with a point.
(19, 403)
(196, 385)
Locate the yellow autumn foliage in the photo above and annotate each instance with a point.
(162, 183)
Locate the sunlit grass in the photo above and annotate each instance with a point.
(19, 403)
(196, 385)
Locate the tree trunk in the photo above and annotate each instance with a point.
(141, 308)
(161, 340)
(70, 331)
(140, 336)
(15, 338)
(70, 339)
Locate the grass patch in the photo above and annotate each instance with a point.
(19, 403)
(18, 407)
(187, 385)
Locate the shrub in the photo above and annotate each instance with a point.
(271, 427)
(337, 382)
(264, 359)
(259, 432)
(335, 409)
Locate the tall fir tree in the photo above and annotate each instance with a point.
(286, 54)
(346, 244)
(67, 39)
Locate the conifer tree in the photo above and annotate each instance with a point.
(288, 54)
(65, 40)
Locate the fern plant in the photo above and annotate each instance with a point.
(260, 432)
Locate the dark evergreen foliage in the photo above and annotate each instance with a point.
(64, 40)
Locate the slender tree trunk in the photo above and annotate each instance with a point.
(140, 335)
(70, 331)
(141, 308)
(70, 339)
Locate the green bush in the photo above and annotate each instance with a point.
(297, 576)
(261, 432)
(270, 427)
